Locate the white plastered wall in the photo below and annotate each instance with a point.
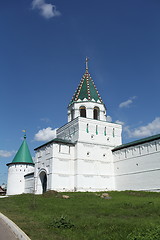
(138, 167)
(86, 165)
(93, 167)
(92, 131)
(57, 161)
(63, 167)
(29, 183)
(43, 164)
(16, 182)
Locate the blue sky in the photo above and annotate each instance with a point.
(43, 46)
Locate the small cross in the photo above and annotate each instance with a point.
(87, 59)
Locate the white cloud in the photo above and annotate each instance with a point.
(127, 103)
(146, 130)
(47, 10)
(4, 153)
(120, 122)
(109, 119)
(45, 134)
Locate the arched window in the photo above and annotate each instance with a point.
(72, 114)
(96, 113)
(82, 110)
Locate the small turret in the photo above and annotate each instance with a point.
(21, 165)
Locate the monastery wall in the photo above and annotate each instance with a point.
(63, 167)
(138, 167)
(56, 160)
(94, 160)
(90, 130)
(94, 167)
(43, 165)
(29, 183)
(99, 132)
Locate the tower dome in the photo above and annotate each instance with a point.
(86, 101)
(21, 165)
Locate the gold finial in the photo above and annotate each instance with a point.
(24, 133)
(87, 59)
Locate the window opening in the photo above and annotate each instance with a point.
(113, 132)
(87, 129)
(96, 113)
(82, 111)
(72, 114)
(59, 148)
(96, 129)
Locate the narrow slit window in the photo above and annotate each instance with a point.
(59, 148)
(87, 128)
(113, 132)
(96, 129)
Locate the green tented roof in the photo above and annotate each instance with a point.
(23, 155)
(86, 90)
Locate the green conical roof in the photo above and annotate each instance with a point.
(23, 155)
(86, 90)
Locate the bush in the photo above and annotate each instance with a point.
(62, 223)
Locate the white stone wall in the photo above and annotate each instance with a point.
(90, 130)
(57, 161)
(16, 182)
(29, 183)
(86, 165)
(43, 164)
(99, 132)
(63, 167)
(138, 167)
(93, 167)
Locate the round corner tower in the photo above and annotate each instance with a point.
(21, 165)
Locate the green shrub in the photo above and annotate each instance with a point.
(61, 222)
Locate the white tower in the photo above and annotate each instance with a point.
(21, 165)
(86, 101)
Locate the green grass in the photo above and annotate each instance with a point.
(85, 216)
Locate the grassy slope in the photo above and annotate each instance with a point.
(128, 215)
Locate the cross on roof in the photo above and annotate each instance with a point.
(87, 59)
